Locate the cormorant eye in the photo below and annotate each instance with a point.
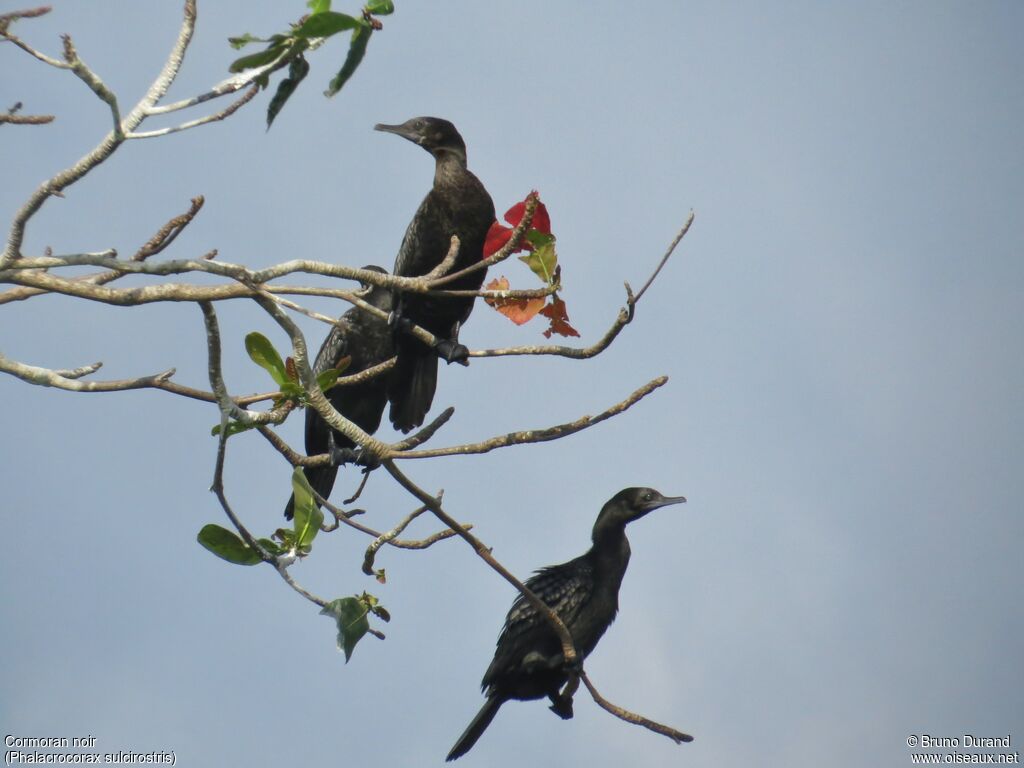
(648, 496)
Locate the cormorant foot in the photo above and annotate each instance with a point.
(358, 456)
(342, 456)
(562, 706)
(452, 352)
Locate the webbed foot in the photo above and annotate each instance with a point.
(357, 456)
(562, 706)
(452, 351)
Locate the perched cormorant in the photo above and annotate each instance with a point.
(584, 592)
(367, 341)
(459, 205)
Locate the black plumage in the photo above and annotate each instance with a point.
(584, 592)
(367, 340)
(457, 204)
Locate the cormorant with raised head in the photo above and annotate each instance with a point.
(584, 592)
(367, 341)
(457, 204)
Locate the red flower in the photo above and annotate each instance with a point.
(498, 235)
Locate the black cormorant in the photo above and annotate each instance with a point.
(584, 592)
(457, 204)
(368, 341)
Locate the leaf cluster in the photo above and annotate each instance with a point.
(288, 49)
(282, 371)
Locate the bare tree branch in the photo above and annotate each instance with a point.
(13, 119)
(36, 275)
(677, 736)
(96, 85)
(8, 18)
(385, 538)
(169, 231)
(537, 435)
(679, 236)
(106, 147)
(212, 118)
(69, 379)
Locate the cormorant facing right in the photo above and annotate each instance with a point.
(584, 592)
(367, 341)
(457, 204)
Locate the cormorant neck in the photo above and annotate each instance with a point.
(450, 164)
(610, 551)
(609, 535)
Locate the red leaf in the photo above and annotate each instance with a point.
(515, 214)
(499, 235)
(541, 221)
(519, 311)
(559, 317)
(496, 238)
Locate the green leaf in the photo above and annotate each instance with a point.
(542, 261)
(356, 51)
(329, 378)
(308, 516)
(326, 23)
(234, 427)
(266, 357)
(297, 70)
(380, 7)
(287, 538)
(538, 239)
(229, 546)
(291, 390)
(257, 59)
(319, 6)
(240, 42)
(350, 615)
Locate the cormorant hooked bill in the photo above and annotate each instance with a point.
(584, 592)
(457, 204)
(367, 341)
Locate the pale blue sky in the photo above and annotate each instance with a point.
(842, 332)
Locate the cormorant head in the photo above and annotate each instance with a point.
(376, 295)
(631, 504)
(434, 134)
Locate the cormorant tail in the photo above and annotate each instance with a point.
(413, 382)
(475, 728)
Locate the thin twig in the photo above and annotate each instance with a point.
(57, 184)
(679, 236)
(227, 405)
(537, 435)
(213, 118)
(630, 717)
(5, 23)
(426, 432)
(13, 119)
(385, 538)
(96, 85)
(169, 231)
(68, 380)
(446, 263)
